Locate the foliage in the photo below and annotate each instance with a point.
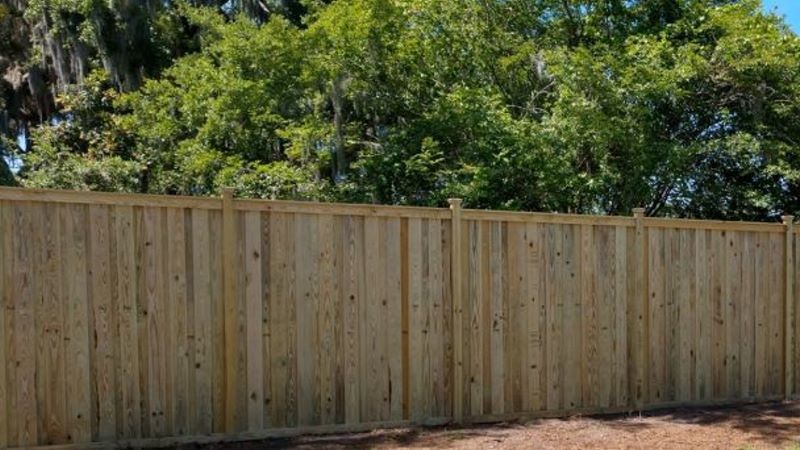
(85, 149)
(686, 107)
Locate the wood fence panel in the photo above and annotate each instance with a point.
(715, 325)
(113, 322)
(547, 308)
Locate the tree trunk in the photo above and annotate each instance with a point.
(337, 95)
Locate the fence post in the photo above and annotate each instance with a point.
(788, 309)
(229, 301)
(456, 281)
(641, 316)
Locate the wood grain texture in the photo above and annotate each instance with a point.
(638, 323)
(796, 315)
(229, 288)
(103, 324)
(417, 324)
(5, 295)
(176, 324)
(352, 290)
(253, 292)
(458, 308)
(147, 318)
(499, 316)
(393, 318)
(202, 311)
(75, 249)
(127, 311)
(789, 308)
(51, 383)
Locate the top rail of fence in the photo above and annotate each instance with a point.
(307, 207)
(108, 198)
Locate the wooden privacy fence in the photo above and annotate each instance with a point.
(149, 320)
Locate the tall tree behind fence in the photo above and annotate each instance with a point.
(150, 320)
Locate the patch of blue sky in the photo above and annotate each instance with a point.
(789, 9)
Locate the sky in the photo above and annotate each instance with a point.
(788, 8)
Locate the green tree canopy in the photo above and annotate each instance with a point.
(686, 107)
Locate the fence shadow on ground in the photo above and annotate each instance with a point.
(770, 422)
(431, 437)
(775, 423)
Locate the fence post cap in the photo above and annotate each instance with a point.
(787, 219)
(638, 212)
(454, 202)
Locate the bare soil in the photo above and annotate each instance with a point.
(765, 426)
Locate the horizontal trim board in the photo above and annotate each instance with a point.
(534, 217)
(763, 227)
(342, 209)
(108, 198)
(283, 206)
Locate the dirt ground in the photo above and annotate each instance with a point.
(766, 426)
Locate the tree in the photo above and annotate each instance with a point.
(48, 47)
(86, 149)
(685, 107)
